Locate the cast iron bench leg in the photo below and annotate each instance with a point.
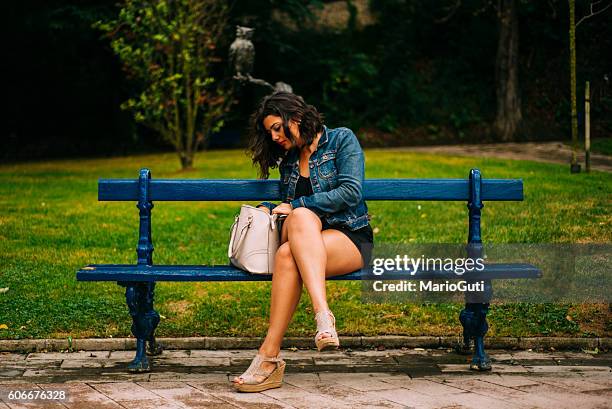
(154, 347)
(139, 297)
(474, 320)
(474, 316)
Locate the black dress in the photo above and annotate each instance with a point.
(362, 238)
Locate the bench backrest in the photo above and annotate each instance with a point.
(251, 190)
(145, 191)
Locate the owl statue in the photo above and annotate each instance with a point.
(242, 52)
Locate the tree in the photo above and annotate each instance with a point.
(168, 47)
(508, 102)
(509, 113)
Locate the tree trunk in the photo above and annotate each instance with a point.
(509, 114)
(572, 46)
(186, 160)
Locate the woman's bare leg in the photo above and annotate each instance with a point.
(341, 257)
(319, 254)
(308, 249)
(286, 292)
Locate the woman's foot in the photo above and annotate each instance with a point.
(263, 373)
(327, 337)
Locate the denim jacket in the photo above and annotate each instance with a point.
(336, 175)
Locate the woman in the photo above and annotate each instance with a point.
(326, 231)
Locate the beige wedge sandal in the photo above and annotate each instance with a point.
(251, 383)
(326, 324)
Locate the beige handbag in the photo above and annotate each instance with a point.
(254, 239)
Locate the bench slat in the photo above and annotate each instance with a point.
(129, 272)
(252, 190)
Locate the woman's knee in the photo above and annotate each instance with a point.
(284, 252)
(301, 213)
(284, 259)
(300, 218)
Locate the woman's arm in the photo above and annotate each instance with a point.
(348, 193)
(267, 205)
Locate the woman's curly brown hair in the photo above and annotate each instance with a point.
(267, 154)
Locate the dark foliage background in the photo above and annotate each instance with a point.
(407, 78)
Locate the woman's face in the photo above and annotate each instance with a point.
(274, 126)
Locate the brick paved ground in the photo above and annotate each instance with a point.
(342, 379)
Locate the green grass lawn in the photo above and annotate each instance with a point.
(51, 224)
(602, 145)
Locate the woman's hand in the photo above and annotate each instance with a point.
(283, 208)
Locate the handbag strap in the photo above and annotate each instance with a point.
(231, 251)
(273, 220)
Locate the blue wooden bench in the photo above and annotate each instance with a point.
(139, 279)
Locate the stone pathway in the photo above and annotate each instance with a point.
(395, 378)
(551, 152)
